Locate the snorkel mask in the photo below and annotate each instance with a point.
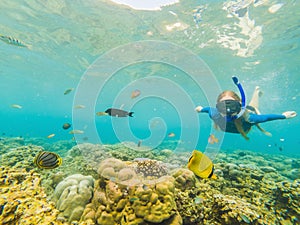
(231, 108)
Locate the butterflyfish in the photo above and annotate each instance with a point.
(47, 160)
(118, 112)
(201, 165)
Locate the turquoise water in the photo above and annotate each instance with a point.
(258, 41)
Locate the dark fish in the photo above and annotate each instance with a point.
(66, 126)
(118, 112)
(139, 143)
(47, 160)
(68, 91)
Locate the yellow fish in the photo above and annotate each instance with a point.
(201, 165)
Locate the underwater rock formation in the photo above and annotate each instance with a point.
(71, 196)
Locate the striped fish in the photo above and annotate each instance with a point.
(47, 160)
(12, 41)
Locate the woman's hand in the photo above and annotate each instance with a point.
(289, 114)
(198, 108)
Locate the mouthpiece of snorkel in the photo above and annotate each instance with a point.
(243, 99)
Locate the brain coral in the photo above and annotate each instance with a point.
(72, 194)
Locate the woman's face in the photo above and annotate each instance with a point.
(228, 105)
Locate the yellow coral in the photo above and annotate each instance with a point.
(23, 200)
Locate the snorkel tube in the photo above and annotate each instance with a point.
(243, 99)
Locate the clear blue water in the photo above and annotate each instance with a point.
(68, 39)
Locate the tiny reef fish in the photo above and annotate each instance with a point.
(118, 113)
(76, 132)
(139, 143)
(135, 93)
(171, 134)
(16, 106)
(212, 139)
(101, 114)
(68, 91)
(201, 165)
(79, 106)
(47, 160)
(66, 126)
(50, 135)
(12, 41)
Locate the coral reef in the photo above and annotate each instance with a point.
(71, 196)
(92, 154)
(116, 203)
(252, 188)
(287, 199)
(21, 157)
(233, 210)
(149, 168)
(22, 199)
(128, 151)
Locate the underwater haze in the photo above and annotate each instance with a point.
(100, 112)
(257, 41)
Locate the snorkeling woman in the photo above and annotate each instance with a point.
(232, 115)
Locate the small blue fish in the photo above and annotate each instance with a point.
(12, 41)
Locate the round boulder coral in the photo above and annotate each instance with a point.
(72, 194)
